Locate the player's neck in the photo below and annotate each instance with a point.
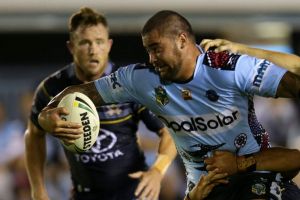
(190, 61)
(84, 78)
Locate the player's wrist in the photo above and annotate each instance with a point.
(246, 163)
(39, 194)
(162, 163)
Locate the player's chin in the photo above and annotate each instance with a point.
(93, 70)
(165, 76)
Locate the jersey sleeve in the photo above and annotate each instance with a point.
(150, 120)
(118, 86)
(41, 99)
(257, 76)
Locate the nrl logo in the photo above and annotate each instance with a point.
(161, 96)
(186, 94)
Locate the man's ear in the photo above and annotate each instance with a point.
(110, 41)
(70, 46)
(182, 40)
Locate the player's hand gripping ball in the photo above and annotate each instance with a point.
(82, 110)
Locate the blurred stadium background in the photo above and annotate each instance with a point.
(32, 45)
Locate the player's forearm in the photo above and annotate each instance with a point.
(278, 159)
(35, 149)
(50, 115)
(89, 89)
(273, 159)
(289, 61)
(166, 152)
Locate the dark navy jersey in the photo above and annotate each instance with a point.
(116, 153)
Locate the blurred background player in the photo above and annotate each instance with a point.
(102, 172)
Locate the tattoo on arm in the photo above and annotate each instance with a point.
(246, 163)
(91, 91)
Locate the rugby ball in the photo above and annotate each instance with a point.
(81, 110)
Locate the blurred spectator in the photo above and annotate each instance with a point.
(25, 106)
(280, 117)
(13, 183)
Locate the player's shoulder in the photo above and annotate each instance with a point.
(222, 60)
(63, 73)
(58, 80)
(140, 67)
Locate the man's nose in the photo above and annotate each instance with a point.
(92, 48)
(152, 58)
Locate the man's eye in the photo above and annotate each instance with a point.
(157, 50)
(99, 42)
(84, 42)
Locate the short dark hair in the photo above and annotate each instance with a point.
(168, 22)
(86, 17)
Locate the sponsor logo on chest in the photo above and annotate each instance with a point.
(208, 123)
(103, 150)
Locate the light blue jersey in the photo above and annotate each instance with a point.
(214, 110)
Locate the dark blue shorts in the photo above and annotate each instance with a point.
(255, 185)
(290, 191)
(124, 193)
